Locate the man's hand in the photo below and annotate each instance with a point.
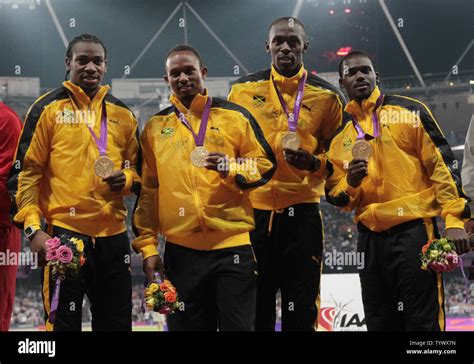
(460, 239)
(301, 159)
(218, 162)
(469, 226)
(358, 170)
(116, 181)
(37, 245)
(151, 265)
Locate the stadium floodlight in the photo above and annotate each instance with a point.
(344, 51)
(15, 4)
(458, 147)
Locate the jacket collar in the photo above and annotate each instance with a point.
(285, 82)
(197, 105)
(367, 106)
(287, 86)
(80, 97)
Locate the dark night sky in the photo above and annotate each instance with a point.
(435, 31)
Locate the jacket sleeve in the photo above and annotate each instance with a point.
(132, 159)
(29, 163)
(255, 163)
(145, 217)
(438, 159)
(10, 129)
(468, 166)
(338, 191)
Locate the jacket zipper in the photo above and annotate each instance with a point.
(197, 200)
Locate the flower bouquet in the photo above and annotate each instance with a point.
(161, 296)
(439, 255)
(64, 256)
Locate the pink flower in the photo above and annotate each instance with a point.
(51, 254)
(453, 260)
(53, 243)
(436, 266)
(64, 254)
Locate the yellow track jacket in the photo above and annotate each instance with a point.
(56, 154)
(411, 173)
(195, 207)
(320, 116)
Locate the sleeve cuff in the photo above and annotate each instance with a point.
(453, 222)
(149, 250)
(347, 188)
(32, 219)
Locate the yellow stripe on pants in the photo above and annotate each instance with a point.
(439, 278)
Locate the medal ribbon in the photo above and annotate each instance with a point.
(375, 121)
(199, 138)
(292, 117)
(55, 301)
(102, 142)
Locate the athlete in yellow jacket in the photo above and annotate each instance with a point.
(201, 157)
(406, 179)
(288, 239)
(54, 177)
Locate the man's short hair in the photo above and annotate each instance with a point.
(184, 47)
(354, 54)
(287, 20)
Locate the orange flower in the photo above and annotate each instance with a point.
(170, 296)
(426, 246)
(164, 287)
(167, 286)
(82, 260)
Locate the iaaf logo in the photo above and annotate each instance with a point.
(340, 319)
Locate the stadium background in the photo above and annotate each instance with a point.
(422, 49)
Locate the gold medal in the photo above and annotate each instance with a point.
(103, 167)
(290, 140)
(362, 150)
(198, 156)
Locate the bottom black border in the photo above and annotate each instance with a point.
(332, 347)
